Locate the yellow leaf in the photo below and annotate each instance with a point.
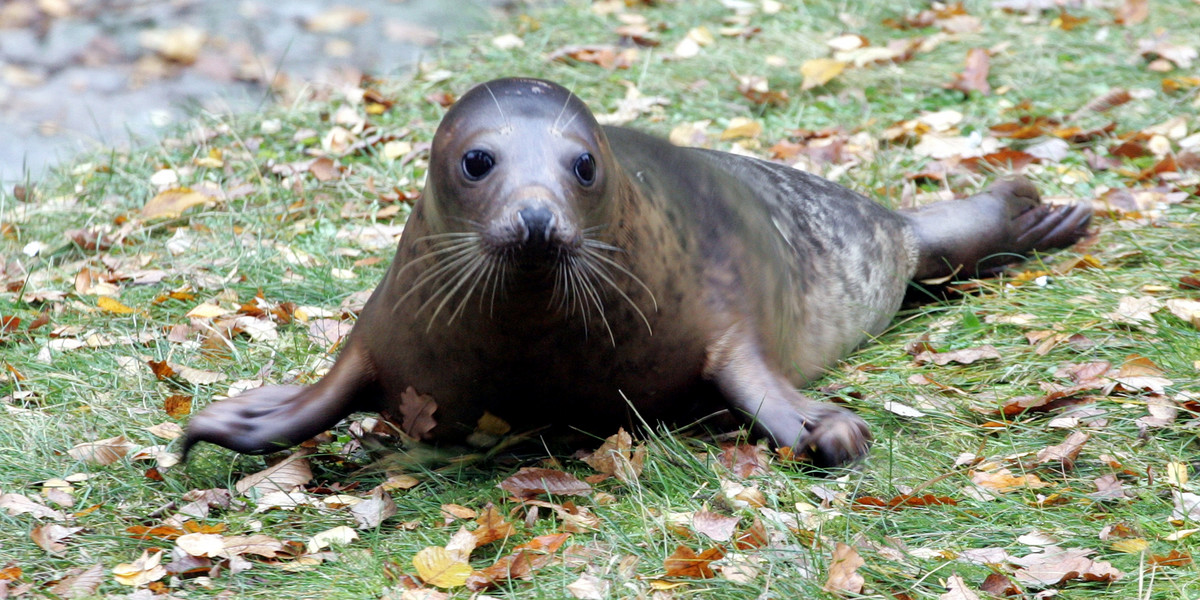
(207, 310)
(741, 128)
(1130, 546)
(113, 306)
(439, 568)
(172, 203)
(819, 71)
(140, 572)
(1177, 473)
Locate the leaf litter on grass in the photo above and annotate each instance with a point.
(1137, 173)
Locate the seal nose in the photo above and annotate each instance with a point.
(539, 225)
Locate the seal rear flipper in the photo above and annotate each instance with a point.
(272, 418)
(980, 235)
(830, 435)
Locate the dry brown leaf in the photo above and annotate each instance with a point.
(744, 460)
(524, 560)
(284, 476)
(172, 203)
(819, 71)
(999, 585)
(142, 571)
(531, 481)
(80, 583)
(957, 590)
(1055, 565)
(1064, 453)
(492, 526)
(1186, 309)
(49, 537)
(1173, 559)
(417, 412)
(1002, 480)
(974, 76)
(843, 570)
(373, 511)
(684, 562)
(178, 405)
(964, 356)
(1132, 12)
(457, 511)
(717, 527)
(617, 456)
(589, 587)
(103, 452)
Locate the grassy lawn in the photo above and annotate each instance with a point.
(103, 282)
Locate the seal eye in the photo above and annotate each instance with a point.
(477, 163)
(585, 168)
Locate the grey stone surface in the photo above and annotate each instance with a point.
(72, 83)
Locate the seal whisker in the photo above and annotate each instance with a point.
(454, 251)
(453, 262)
(598, 269)
(475, 272)
(455, 283)
(499, 108)
(588, 245)
(589, 290)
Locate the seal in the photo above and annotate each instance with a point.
(559, 273)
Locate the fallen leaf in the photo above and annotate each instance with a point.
(438, 567)
(819, 71)
(417, 411)
(1002, 480)
(171, 203)
(1186, 309)
(144, 570)
(957, 590)
(1132, 12)
(80, 583)
(589, 587)
(49, 537)
(1173, 559)
(532, 481)
(113, 305)
(522, 562)
(1131, 546)
(373, 511)
(1054, 566)
(1065, 453)
(999, 585)
(843, 570)
(618, 457)
(1135, 311)
(492, 526)
(744, 460)
(717, 527)
(103, 452)
(964, 356)
(284, 476)
(340, 535)
(974, 76)
(17, 504)
(684, 562)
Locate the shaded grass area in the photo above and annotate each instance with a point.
(241, 247)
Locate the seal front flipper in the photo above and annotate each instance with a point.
(830, 435)
(984, 233)
(272, 418)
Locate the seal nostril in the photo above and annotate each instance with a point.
(539, 224)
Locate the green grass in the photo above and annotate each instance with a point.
(84, 394)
